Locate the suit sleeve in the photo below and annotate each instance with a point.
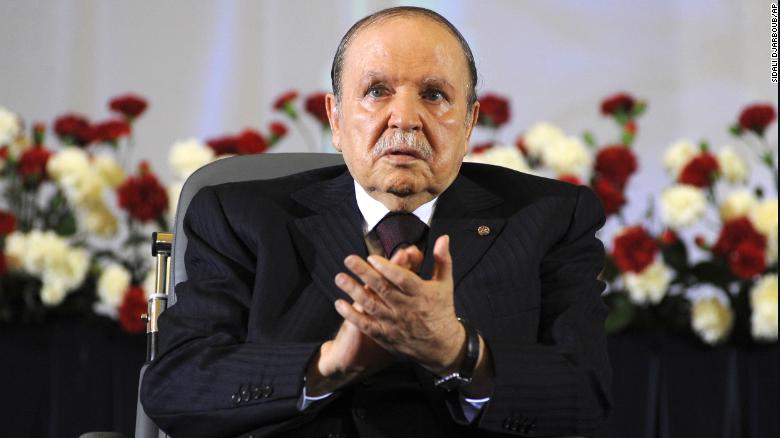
(560, 385)
(208, 380)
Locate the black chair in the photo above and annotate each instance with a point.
(169, 248)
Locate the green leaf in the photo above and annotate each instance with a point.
(715, 272)
(639, 108)
(675, 256)
(627, 138)
(621, 312)
(610, 271)
(589, 139)
(735, 130)
(704, 146)
(66, 225)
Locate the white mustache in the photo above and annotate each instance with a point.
(408, 142)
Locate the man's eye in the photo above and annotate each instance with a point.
(376, 92)
(434, 95)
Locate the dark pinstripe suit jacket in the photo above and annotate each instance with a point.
(261, 260)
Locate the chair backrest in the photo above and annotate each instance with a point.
(234, 169)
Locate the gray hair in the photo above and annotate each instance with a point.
(338, 59)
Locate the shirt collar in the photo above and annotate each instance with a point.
(373, 211)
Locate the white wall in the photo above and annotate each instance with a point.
(212, 67)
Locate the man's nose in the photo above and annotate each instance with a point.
(405, 112)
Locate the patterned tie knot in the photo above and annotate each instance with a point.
(399, 229)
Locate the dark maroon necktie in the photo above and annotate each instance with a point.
(397, 230)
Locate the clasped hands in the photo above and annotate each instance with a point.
(394, 312)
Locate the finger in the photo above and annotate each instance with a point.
(383, 288)
(409, 257)
(442, 260)
(366, 324)
(366, 300)
(405, 280)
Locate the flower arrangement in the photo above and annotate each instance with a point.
(75, 227)
(706, 263)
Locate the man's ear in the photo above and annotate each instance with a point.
(470, 124)
(333, 118)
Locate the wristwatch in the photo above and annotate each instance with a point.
(466, 372)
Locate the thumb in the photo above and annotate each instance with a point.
(442, 260)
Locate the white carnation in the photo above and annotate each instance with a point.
(711, 319)
(101, 221)
(85, 189)
(732, 165)
(110, 170)
(567, 156)
(112, 284)
(763, 305)
(682, 205)
(541, 136)
(52, 291)
(9, 127)
(505, 156)
(650, 285)
(46, 255)
(738, 204)
(69, 162)
(678, 155)
(15, 249)
(187, 156)
(764, 216)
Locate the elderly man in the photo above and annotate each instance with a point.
(410, 296)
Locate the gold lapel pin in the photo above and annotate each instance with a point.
(483, 230)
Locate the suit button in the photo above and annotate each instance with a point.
(267, 391)
(360, 413)
(236, 398)
(256, 393)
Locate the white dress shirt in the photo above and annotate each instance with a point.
(373, 211)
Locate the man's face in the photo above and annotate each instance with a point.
(403, 123)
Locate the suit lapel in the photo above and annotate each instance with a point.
(335, 230)
(460, 212)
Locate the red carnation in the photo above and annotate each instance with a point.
(482, 147)
(616, 163)
(315, 105)
(571, 179)
(32, 165)
(225, 145)
(278, 130)
(634, 249)
(630, 127)
(3, 263)
(7, 223)
(74, 129)
(521, 146)
(251, 142)
(701, 171)
(39, 133)
(617, 103)
(757, 117)
(4, 153)
(130, 311)
(669, 237)
(493, 110)
(285, 100)
(735, 232)
(611, 197)
(142, 196)
(747, 260)
(129, 105)
(111, 131)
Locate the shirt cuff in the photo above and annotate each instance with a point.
(472, 406)
(306, 401)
